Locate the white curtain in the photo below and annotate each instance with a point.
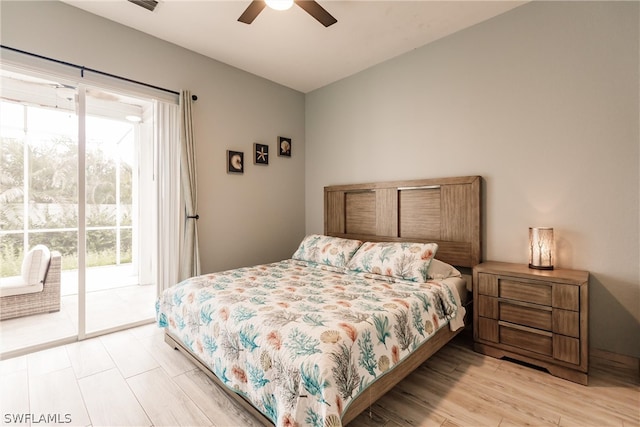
(190, 257)
(168, 202)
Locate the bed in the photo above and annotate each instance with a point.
(316, 339)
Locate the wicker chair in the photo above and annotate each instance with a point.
(46, 301)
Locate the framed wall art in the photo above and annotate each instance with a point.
(235, 161)
(284, 146)
(261, 154)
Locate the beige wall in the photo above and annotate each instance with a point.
(543, 103)
(245, 219)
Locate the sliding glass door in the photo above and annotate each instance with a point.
(74, 170)
(38, 198)
(118, 130)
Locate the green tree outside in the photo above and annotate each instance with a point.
(53, 198)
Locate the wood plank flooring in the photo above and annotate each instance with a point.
(132, 378)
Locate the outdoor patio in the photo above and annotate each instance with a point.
(113, 299)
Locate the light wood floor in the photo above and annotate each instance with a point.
(133, 378)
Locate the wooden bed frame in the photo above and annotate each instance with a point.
(445, 211)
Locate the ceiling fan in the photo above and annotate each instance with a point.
(310, 6)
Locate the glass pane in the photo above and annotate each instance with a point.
(12, 120)
(126, 245)
(52, 168)
(11, 253)
(101, 247)
(65, 242)
(114, 294)
(38, 198)
(12, 141)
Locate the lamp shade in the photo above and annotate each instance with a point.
(541, 248)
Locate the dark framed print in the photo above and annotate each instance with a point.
(235, 161)
(261, 154)
(284, 146)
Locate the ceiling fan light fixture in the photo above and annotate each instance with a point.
(279, 4)
(312, 7)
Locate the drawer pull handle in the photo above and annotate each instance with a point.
(420, 187)
(525, 304)
(525, 328)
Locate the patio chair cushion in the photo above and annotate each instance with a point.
(15, 285)
(34, 270)
(35, 265)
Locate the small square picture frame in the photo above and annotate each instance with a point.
(261, 154)
(284, 146)
(235, 161)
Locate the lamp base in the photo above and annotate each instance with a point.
(541, 267)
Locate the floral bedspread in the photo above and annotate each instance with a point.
(300, 340)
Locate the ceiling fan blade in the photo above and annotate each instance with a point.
(252, 11)
(147, 4)
(317, 11)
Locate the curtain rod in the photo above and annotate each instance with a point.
(82, 69)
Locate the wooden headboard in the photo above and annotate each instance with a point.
(445, 211)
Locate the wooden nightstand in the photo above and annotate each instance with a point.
(535, 316)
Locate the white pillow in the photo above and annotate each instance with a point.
(439, 270)
(35, 264)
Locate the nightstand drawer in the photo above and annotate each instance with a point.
(487, 329)
(539, 318)
(567, 297)
(487, 307)
(487, 284)
(566, 322)
(527, 292)
(566, 349)
(527, 340)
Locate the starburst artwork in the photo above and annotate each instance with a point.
(261, 152)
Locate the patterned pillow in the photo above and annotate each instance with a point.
(326, 250)
(408, 261)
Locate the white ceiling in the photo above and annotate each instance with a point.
(291, 47)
